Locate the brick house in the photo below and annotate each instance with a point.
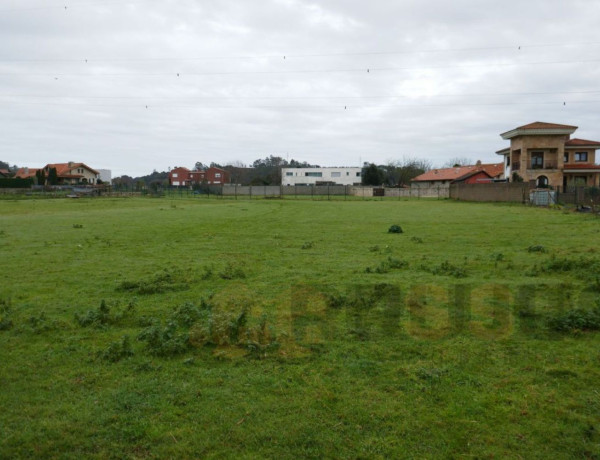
(545, 154)
(183, 177)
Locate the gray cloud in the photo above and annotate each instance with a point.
(444, 79)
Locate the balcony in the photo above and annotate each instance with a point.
(545, 165)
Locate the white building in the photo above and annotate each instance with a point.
(321, 176)
(105, 175)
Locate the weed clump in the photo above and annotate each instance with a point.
(537, 248)
(395, 229)
(232, 272)
(447, 269)
(164, 281)
(577, 319)
(102, 317)
(164, 341)
(5, 309)
(387, 265)
(118, 350)
(223, 329)
(308, 245)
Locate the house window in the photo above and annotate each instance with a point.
(566, 157)
(336, 174)
(507, 160)
(357, 174)
(537, 160)
(313, 174)
(289, 174)
(581, 156)
(175, 175)
(217, 175)
(347, 173)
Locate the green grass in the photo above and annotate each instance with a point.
(195, 328)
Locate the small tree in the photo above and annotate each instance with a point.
(372, 175)
(52, 176)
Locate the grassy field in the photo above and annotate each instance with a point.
(140, 328)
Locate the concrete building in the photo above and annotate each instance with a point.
(321, 176)
(544, 153)
(105, 175)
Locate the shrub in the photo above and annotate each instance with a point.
(308, 245)
(395, 229)
(116, 351)
(102, 316)
(163, 281)
(232, 272)
(448, 269)
(5, 324)
(577, 319)
(164, 341)
(387, 265)
(98, 318)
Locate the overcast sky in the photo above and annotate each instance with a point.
(134, 86)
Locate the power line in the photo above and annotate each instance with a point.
(531, 93)
(304, 71)
(302, 56)
(311, 107)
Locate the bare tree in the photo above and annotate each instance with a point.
(458, 161)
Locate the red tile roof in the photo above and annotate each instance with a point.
(22, 173)
(578, 142)
(63, 169)
(542, 125)
(493, 170)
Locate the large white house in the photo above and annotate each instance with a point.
(321, 176)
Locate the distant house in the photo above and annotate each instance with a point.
(183, 177)
(4, 173)
(70, 173)
(321, 176)
(473, 174)
(544, 153)
(26, 173)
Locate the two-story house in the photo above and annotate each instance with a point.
(183, 177)
(546, 154)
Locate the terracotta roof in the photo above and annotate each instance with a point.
(461, 172)
(4, 172)
(472, 173)
(64, 169)
(539, 128)
(579, 142)
(21, 174)
(494, 169)
(581, 166)
(542, 125)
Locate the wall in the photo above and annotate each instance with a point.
(504, 191)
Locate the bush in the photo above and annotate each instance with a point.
(164, 341)
(536, 248)
(98, 318)
(576, 320)
(387, 265)
(232, 272)
(448, 269)
(116, 351)
(395, 229)
(163, 281)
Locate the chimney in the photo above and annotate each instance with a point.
(70, 164)
(26, 171)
